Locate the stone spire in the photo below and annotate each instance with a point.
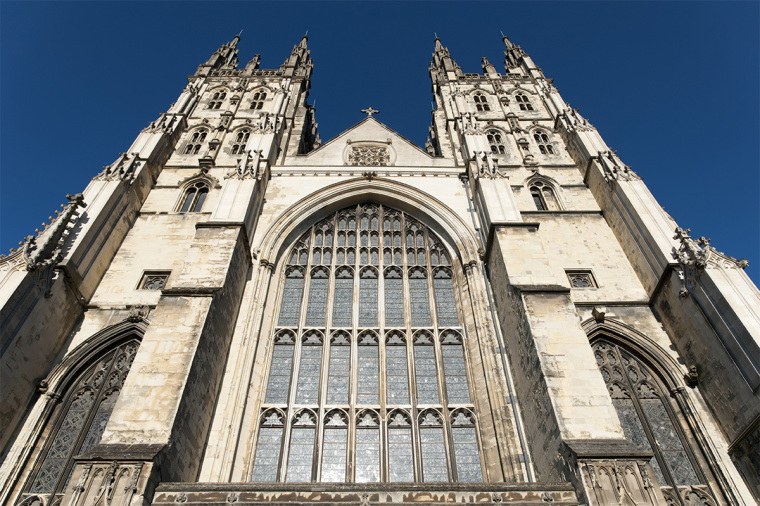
(443, 65)
(299, 61)
(223, 58)
(513, 55)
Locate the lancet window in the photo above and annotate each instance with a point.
(496, 141)
(651, 420)
(368, 376)
(240, 141)
(78, 424)
(194, 196)
(544, 145)
(481, 102)
(523, 102)
(257, 101)
(217, 99)
(196, 141)
(543, 196)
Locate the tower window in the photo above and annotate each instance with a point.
(581, 279)
(257, 101)
(196, 141)
(544, 145)
(216, 100)
(368, 382)
(523, 102)
(481, 102)
(194, 196)
(496, 142)
(240, 141)
(543, 196)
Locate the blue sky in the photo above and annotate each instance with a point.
(673, 86)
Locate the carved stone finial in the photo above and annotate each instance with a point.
(369, 111)
(699, 254)
(369, 175)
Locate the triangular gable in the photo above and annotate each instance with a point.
(368, 138)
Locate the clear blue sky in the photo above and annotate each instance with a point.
(673, 86)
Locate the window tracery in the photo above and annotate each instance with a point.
(523, 102)
(194, 196)
(197, 139)
(217, 99)
(78, 424)
(543, 196)
(368, 348)
(257, 101)
(496, 142)
(241, 139)
(544, 145)
(481, 102)
(650, 420)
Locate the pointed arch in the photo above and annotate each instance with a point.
(80, 393)
(293, 222)
(545, 192)
(648, 390)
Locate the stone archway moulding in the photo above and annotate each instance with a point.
(429, 210)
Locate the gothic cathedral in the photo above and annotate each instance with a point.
(236, 312)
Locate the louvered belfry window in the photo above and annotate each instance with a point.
(368, 376)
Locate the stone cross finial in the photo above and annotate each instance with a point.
(369, 111)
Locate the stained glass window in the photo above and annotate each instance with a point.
(380, 340)
(268, 447)
(367, 447)
(84, 414)
(648, 418)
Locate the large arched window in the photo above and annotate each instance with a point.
(77, 424)
(368, 376)
(651, 420)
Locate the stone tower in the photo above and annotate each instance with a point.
(233, 312)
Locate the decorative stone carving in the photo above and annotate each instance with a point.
(248, 166)
(614, 169)
(369, 155)
(692, 377)
(699, 254)
(138, 313)
(103, 483)
(124, 168)
(44, 256)
(487, 165)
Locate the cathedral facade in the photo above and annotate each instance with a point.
(235, 312)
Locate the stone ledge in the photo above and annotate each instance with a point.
(119, 452)
(606, 449)
(366, 493)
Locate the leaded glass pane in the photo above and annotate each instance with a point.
(367, 454)
(301, 454)
(669, 442)
(99, 422)
(267, 455)
(368, 374)
(634, 431)
(419, 302)
(290, 307)
(466, 454)
(455, 373)
(394, 300)
(308, 374)
(368, 299)
(337, 380)
(279, 374)
(433, 455)
(64, 442)
(315, 311)
(396, 375)
(334, 455)
(426, 374)
(444, 299)
(400, 457)
(343, 302)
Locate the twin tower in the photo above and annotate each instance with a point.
(237, 312)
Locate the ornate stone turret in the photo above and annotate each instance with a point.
(299, 61)
(443, 66)
(224, 57)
